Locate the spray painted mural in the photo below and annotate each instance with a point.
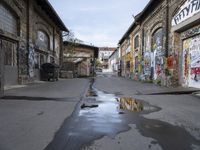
(191, 62)
(147, 56)
(31, 60)
(147, 63)
(158, 54)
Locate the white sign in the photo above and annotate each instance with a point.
(187, 10)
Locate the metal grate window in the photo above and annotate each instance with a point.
(8, 22)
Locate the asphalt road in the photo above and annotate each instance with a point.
(116, 114)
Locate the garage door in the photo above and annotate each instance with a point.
(191, 62)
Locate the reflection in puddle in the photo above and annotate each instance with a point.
(130, 104)
(91, 93)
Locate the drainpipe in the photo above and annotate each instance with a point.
(54, 52)
(61, 50)
(143, 50)
(28, 33)
(167, 37)
(167, 29)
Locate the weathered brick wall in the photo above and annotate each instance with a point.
(137, 53)
(154, 21)
(31, 18)
(175, 45)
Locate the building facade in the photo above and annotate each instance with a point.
(104, 54)
(165, 43)
(114, 61)
(184, 21)
(30, 34)
(78, 59)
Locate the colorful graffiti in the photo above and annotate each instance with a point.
(170, 62)
(147, 63)
(190, 32)
(191, 61)
(158, 63)
(195, 58)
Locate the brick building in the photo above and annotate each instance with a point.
(164, 42)
(184, 39)
(30, 34)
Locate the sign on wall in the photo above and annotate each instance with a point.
(187, 10)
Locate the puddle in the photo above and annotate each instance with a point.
(108, 115)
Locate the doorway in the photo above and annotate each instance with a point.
(191, 62)
(9, 68)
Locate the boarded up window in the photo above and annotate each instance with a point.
(8, 22)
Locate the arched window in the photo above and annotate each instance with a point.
(42, 41)
(157, 40)
(8, 22)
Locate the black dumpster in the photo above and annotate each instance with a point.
(49, 72)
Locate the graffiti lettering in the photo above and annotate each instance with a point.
(189, 8)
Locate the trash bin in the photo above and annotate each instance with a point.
(49, 72)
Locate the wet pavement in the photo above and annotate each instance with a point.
(100, 114)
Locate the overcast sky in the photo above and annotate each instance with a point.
(100, 22)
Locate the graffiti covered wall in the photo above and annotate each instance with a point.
(158, 55)
(191, 62)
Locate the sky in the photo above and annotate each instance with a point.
(98, 22)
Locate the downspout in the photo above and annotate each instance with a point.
(167, 41)
(143, 49)
(167, 30)
(28, 34)
(54, 45)
(61, 50)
